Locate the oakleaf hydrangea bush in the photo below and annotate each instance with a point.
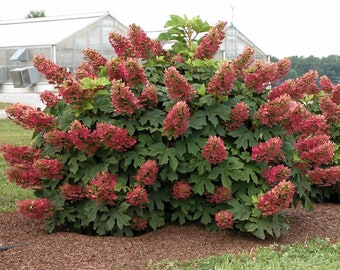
(155, 135)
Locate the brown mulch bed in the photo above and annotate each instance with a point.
(70, 251)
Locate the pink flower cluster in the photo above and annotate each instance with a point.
(214, 150)
(147, 173)
(276, 199)
(59, 139)
(138, 223)
(101, 188)
(72, 192)
(21, 160)
(29, 117)
(49, 98)
(181, 190)
(330, 109)
(177, 86)
(52, 72)
(224, 219)
(114, 137)
(269, 151)
(133, 73)
(324, 177)
(123, 99)
(149, 97)
(49, 169)
(238, 115)
(221, 195)
(82, 138)
(94, 58)
(316, 150)
(221, 82)
(210, 43)
(275, 174)
(262, 74)
(137, 196)
(242, 62)
(38, 209)
(136, 45)
(177, 120)
(142, 44)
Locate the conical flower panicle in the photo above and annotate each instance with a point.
(122, 45)
(95, 59)
(222, 81)
(214, 151)
(52, 72)
(123, 99)
(177, 86)
(210, 43)
(177, 120)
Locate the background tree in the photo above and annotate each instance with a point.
(35, 14)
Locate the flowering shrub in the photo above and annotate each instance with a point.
(149, 136)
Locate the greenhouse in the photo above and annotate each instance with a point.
(59, 38)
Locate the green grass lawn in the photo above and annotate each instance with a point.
(317, 254)
(10, 193)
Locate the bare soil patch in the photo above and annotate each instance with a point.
(70, 251)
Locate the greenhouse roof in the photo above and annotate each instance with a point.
(44, 30)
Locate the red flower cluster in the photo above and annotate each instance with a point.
(316, 150)
(134, 73)
(181, 190)
(260, 75)
(137, 196)
(122, 45)
(324, 177)
(326, 84)
(58, 139)
(277, 199)
(306, 84)
(269, 151)
(21, 160)
(177, 86)
(52, 72)
(72, 192)
(224, 219)
(38, 209)
(238, 115)
(95, 59)
(222, 82)
(177, 120)
(48, 168)
(123, 99)
(115, 69)
(142, 44)
(101, 188)
(85, 70)
(221, 195)
(335, 94)
(49, 99)
(276, 174)
(138, 223)
(29, 117)
(147, 173)
(214, 150)
(83, 138)
(210, 43)
(149, 97)
(330, 109)
(242, 62)
(114, 137)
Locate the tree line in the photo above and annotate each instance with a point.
(329, 66)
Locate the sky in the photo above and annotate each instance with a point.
(280, 28)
